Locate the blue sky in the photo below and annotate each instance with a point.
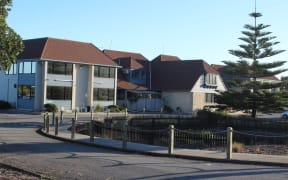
(189, 29)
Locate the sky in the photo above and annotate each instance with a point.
(189, 29)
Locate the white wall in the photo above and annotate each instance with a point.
(8, 91)
(82, 86)
(39, 85)
(103, 82)
(100, 82)
(178, 99)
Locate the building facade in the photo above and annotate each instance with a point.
(70, 74)
(186, 85)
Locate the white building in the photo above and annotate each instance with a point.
(186, 85)
(67, 73)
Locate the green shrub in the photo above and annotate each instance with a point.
(4, 105)
(116, 108)
(50, 107)
(98, 108)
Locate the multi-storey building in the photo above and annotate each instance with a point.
(70, 74)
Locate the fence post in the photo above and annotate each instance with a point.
(44, 121)
(61, 116)
(47, 123)
(124, 138)
(73, 128)
(171, 140)
(53, 118)
(126, 113)
(229, 143)
(76, 115)
(108, 111)
(91, 112)
(56, 126)
(91, 130)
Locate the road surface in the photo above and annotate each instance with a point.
(22, 147)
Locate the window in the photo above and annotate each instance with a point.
(12, 69)
(27, 67)
(26, 92)
(110, 94)
(209, 98)
(106, 72)
(210, 79)
(112, 72)
(21, 68)
(102, 94)
(59, 93)
(135, 74)
(60, 68)
(33, 67)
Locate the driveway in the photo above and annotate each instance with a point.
(22, 147)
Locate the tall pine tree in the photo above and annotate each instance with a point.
(248, 92)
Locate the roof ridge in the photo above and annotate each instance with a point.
(121, 51)
(44, 48)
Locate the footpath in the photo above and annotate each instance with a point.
(214, 156)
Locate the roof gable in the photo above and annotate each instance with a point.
(64, 50)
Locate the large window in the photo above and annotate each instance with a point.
(60, 68)
(26, 91)
(209, 98)
(27, 67)
(210, 79)
(102, 94)
(106, 72)
(59, 93)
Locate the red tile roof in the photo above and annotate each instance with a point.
(127, 85)
(137, 61)
(120, 54)
(178, 75)
(124, 84)
(129, 63)
(162, 57)
(64, 50)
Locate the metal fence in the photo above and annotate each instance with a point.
(199, 140)
(193, 139)
(182, 138)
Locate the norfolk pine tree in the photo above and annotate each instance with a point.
(11, 44)
(251, 94)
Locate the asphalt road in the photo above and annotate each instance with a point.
(22, 147)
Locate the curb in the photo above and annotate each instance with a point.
(9, 167)
(234, 161)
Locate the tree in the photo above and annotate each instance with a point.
(252, 94)
(11, 44)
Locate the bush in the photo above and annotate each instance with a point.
(98, 108)
(237, 147)
(51, 107)
(4, 105)
(214, 118)
(116, 108)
